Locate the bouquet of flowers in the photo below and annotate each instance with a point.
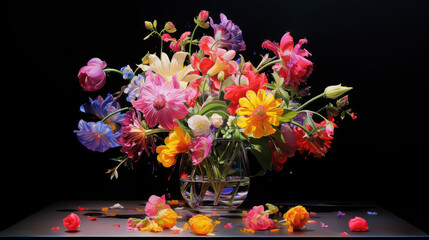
(213, 104)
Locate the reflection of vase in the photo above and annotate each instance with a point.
(220, 181)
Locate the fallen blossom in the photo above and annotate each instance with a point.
(80, 208)
(116, 206)
(358, 224)
(372, 213)
(139, 210)
(116, 225)
(55, 228)
(214, 214)
(228, 225)
(324, 225)
(92, 218)
(311, 221)
(105, 209)
(275, 230)
(175, 231)
(340, 214)
(344, 234)
(247, 230)
(72, 222)
(112, 214)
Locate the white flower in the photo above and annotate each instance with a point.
(216, 120)
(230, 119)
(200, 125)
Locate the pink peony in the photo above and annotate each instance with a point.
(358, 224)
(256, 221)
(161, 102)
(92, 77)
(155, 204)
(200, 148)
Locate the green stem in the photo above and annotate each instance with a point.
(115, 112)
(302, 127)
(113, 70)
(190, 42)
(310, 101)
(268, 64)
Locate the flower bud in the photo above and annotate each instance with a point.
(148, 25)
(203, 15)
(221, 76)
(170, 28)
(336, 91)
(342, 102)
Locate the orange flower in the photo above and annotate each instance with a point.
(166, 218)
(296, 218)
(202, 225)
(175, 143)
(262, 111)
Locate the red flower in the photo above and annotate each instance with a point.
(72, 222)
(294, 67)
(277, 159)
(235, 92)
(358, 224)
(318, 143)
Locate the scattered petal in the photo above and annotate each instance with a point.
(324, 225)
(116, 206)
(223, 218)
(139, 210)
(55, 228)
(312, 213)
(80, 208)
(105, 209)
(92, 218)
(214, 214)
(211, 234)
(130, 210)
(116, 225)
(311, 221)
(175, 231)
(185, 227)
(112, 214)
(275, 230)
(247, 230)
(228, 225)
(344, 234)
(372, 213)
(340, 214)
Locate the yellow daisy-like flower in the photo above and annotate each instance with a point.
(260, 112)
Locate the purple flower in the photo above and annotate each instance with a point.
(96, 136)
(102, 107)
(340, 214)
(92, 77)
(228, 34)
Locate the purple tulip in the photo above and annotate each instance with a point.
(92, 77)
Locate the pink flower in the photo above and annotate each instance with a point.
(200, 148)
(92, 77)
(294, 67)
(161, 102)
(256, 221)
(203, 15)
(72, 222)
(155, 204)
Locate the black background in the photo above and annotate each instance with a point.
(378, 47)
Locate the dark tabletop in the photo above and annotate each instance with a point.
(113, 223)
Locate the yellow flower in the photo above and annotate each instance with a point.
(202, 225)
(148, 225)
(260, 113)
(296, 218)
(166, 218)
(175, 143)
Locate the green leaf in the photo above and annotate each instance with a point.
(220, 112)
(185, 127)
(262, 151)
(287, 116)
(213, 106)
(279, 80)
(271, 208)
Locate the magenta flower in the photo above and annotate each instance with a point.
(228, 34)
(161, 102)
(200, 148)
(133, 138)
(256, 219)
(155, 204)
(294, 67)
(92, 77)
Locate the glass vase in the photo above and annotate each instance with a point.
(220, 182)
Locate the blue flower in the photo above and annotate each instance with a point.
(133, 89)
(127, 72)
(102, 107)
(97, 136)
